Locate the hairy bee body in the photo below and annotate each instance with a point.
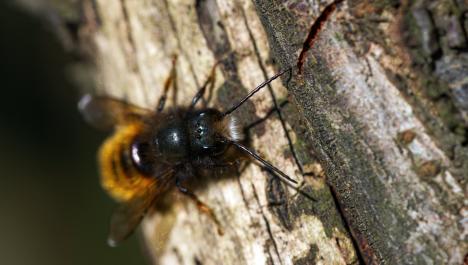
(119, 175)
(135, 155)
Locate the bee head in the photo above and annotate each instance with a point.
(209, 131)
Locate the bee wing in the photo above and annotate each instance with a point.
(128, 215)
(126, 218)
(105, 112)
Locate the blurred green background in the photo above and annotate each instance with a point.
(53, 210)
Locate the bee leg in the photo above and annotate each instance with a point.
(209, 83)
(200, 205)
(170, 82)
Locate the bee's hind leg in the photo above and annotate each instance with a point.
(171, 81)
(200, 205)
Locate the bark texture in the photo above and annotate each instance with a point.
(382, 106)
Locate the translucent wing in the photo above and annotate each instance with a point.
(126, 218)
(129, 214)
(105, 112)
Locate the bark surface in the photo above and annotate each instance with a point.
(381, 106)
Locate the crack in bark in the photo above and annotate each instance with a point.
(315, 31)
(246, 203)
(178, 255)
(272, 93)
(271, 258)
(267, 224)
(180, 46)
(277, 201)
(132, 59)
(131, 41)
(347, 227)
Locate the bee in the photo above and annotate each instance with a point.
(151, 151)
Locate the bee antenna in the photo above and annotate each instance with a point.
(277, 173)
(251, 93)
(282, 176)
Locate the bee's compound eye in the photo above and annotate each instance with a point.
(140, 153)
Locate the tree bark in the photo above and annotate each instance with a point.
(381, 106)
(385, 149)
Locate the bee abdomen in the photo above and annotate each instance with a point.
(119, 176)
